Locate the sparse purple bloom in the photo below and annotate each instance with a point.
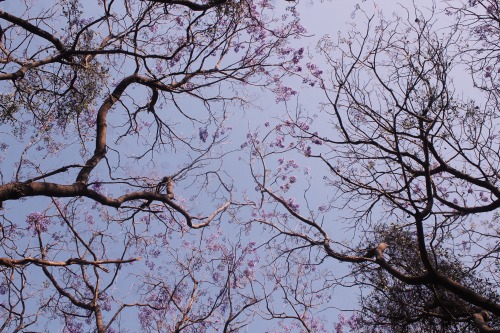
(37, 222)
(106, 302)
(316, 140)
(159, 67)
(283, 93)
(292, 204)
(249, 274)
(308, 151)
(279, 141)
(342, 319)
(303, 126)
(203, 133)
(353, 322)
(97, 186)
(216, 276)
(315, 71)
(145, 316)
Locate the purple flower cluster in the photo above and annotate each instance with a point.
(283, 93)
(97, 186)
(293, 205)
(291, 164)
(203, 134)
(353, 323)
(37, 222)
(314, 69)
(303, 126)
(298, 55)
(308, 151)
(316, 140)
(483, 197)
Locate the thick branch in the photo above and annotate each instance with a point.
(480, 322)
(73, 261)
(101, 123)
(26, 67)
(468, 294)
(33, 29)
(437, 279)
(191, 5)
(14, 191)
(378, 253)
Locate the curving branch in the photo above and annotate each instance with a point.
(7, 262)
(197, 7)
(480, 320)
(33, 29)
(14, 191)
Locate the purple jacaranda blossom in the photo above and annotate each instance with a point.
(37, 222)
(203, 134)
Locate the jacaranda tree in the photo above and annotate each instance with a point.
(112, 118)
(123, 206)
(408, 141)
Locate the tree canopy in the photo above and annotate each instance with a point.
(129, 203)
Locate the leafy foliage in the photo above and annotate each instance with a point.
(390, 305)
